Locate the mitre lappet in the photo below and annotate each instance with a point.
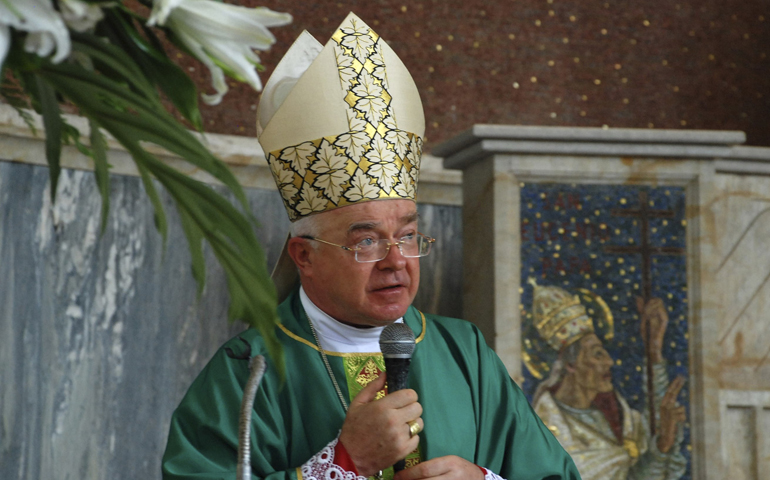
(339, 124)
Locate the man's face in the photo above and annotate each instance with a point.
(592, 367)
(366, 294)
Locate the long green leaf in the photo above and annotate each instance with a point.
(214, 213)
(133, 118)
(195, 240)
(88, 91)
(53, 129)
(71, 136)
(117, 60)
(252, 294)
(117, 100)
(101, 169)
(71, 73)
(161, 223)
(157, 67)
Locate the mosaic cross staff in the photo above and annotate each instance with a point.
(646, 250)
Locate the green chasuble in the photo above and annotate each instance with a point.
(472, 408)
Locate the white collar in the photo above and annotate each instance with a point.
(338, 337)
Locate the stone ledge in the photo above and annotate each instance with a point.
(243, 156)
(588, 134)
(723, 147)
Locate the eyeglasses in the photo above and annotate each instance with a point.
(372, 250)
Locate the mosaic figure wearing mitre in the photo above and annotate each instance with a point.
(608, 440)
(341, 126)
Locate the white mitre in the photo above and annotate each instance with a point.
(340, 124)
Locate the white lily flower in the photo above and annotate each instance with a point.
(79, 15)
(44, 24)
(221, 36)
(40, 43)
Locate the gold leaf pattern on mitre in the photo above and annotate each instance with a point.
(380, 160)
(311, 201)
(330, 168)
(405, 188)
(361, 188)
(358, 39)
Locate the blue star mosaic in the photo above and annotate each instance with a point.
(591, 238)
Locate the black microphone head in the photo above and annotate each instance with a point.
(397, 341)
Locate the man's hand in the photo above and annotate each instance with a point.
(442, 468)
(671, 415)
(655, 320)
(375, 433)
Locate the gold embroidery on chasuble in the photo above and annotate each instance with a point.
(360, 371)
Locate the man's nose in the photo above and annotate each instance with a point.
(394, 259)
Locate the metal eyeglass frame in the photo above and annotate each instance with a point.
(355, 250)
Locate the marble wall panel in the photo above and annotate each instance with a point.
(101, 334)
(442, 270)
(742, 212)
(763, 443)
(745, 433)
(740, 458)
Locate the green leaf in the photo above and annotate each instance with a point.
(252, 293)
(161, 223)
(167, 75)
(116, 60)
(195, 241)
(53, 132)
(245, 303)
(101, 170)
(155, 64)
(71, 136)
(145, 122)
(133, 119)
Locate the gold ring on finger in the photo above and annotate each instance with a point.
(414, 428)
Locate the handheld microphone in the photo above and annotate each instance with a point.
(397, 346)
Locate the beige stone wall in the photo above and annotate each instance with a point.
(741, 215)
(745, 434)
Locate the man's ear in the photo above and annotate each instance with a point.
(301, 253)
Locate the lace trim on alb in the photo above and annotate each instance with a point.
(321, 466)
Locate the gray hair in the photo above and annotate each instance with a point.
(306, 226)
(309, 226)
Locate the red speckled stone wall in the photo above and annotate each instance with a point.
(647, 63)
